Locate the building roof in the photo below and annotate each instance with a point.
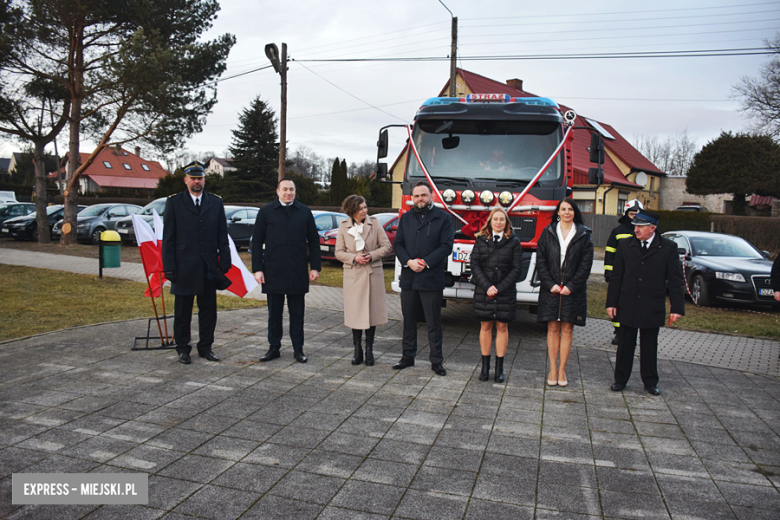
(115, 174)
(581, 158)
(222, 162)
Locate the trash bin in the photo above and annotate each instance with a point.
(110, 250)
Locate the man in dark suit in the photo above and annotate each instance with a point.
(646, 267)
(290, 260)
(196, 254)
(422, 245)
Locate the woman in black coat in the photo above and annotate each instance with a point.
(496, 262)
(564, 257)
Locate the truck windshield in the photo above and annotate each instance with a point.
(487, 150)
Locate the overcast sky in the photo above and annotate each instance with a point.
(329, 103)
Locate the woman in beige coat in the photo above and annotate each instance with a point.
(361, 245)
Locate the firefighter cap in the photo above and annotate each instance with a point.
(632, 205)
(194, 169)
(645, 218)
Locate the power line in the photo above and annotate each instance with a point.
(350, 94)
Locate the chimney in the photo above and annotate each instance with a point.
(515, 83)
(118, 149)
(138, 151)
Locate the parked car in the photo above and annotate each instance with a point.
(124, 226)
(7, 197)
(96, 219)
(26, 227)
(241, 223)
(692, 207)
(389, 222)
(13, 210)
(723, 268)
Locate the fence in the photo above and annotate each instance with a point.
(601, 225)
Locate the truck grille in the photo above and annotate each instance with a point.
(525, 227)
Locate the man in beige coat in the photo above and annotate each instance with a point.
(361, 245)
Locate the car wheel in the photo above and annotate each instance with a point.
(35, 236)
(95, 237)
(700, 292)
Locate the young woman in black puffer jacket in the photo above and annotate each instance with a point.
(496, 262)
(564, 257)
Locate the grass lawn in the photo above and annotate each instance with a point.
(705, 320)
(40, 300)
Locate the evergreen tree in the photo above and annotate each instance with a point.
(306, 190)
(255, 152)
(740, 164)
(339, 189)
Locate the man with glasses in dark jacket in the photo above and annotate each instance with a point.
(423, 244)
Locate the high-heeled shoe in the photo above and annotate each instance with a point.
(552, 382)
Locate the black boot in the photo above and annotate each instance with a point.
(485, 375)
(357, 336)
(370, 346)
(499, 378)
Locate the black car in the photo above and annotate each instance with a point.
(26, 227)
(13, 210)
(240, 224)
(723, 268)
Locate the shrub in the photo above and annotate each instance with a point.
(683, 221)
(762, 232)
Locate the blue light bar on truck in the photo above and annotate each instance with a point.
(491, 98)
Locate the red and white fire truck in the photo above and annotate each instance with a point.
(481, 151)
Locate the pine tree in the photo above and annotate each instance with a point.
(339, 188)
(255, 152)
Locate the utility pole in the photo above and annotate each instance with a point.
(283, 118)
(454, 57)
(280, 66)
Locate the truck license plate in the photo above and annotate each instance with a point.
(461, 256)
(766, 292)
(324, 248)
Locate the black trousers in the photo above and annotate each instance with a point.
(429, 304)
(648, 355)
(296, 305)
(207, 320)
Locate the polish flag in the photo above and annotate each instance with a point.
(151, 253)
(158, 229)
(243, 281)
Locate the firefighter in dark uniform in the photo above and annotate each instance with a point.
(647, 266)
(623, 230)
(196, 254)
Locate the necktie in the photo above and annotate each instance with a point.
(197, 204)
(644, 245)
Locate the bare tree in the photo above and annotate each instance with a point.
(307, 163)
(759, 97)
(673, 155)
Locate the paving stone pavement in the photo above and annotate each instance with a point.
(249, 440)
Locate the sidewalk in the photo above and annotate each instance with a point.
(328, 440)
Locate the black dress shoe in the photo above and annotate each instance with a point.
(653, 390)
(210, 356)
(615, 340)
(617, 387)
(404, 363)
(439, 369)
(271, 354)
(300, 358)
(184, 358)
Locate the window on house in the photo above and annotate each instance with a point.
(108, 165)
(622, 199)
(127, 166)
(145, 167)
(586, 206)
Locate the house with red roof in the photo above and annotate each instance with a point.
(115, 169)
(627, 173)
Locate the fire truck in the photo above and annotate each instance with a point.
(482, 151)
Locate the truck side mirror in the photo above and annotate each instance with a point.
(382, 145)
(381, 172)
(596, 148)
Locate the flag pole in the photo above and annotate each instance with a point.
(156, 316)
(162, 299)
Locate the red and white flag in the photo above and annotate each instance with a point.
(151, 253)
(158, 229)
(243, 281)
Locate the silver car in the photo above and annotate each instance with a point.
(95, 219)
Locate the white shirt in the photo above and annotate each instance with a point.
(564, 242)
(649, 241)
(497, 237)
(196, 199)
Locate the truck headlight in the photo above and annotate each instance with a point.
(448, 196)
(487, 197)
(467, 197)
(733, 277)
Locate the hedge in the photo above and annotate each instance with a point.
(683, 221)
(762, 232)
